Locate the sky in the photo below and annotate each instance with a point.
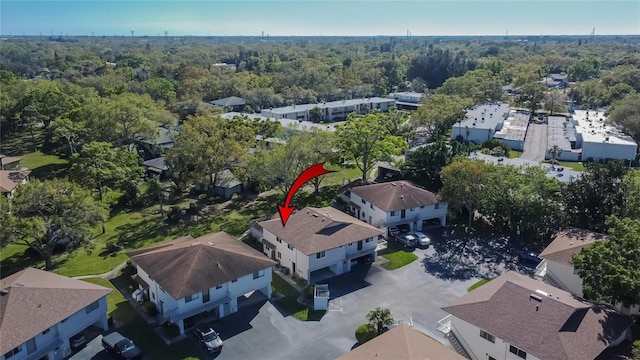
(319, 17)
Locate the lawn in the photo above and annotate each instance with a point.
(45, 166)
(140, 332)
(397, 256)
(289, 304)
(478, 284)
(514, 154)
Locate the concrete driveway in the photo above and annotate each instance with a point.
(410, 292)
(535, 143)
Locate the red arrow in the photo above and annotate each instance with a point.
(314, 171)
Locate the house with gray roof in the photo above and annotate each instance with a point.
(157, 145)
(223, 184)
(318, 243)
(516, 317)
(40, 311)
(231, 103)
(213, 273)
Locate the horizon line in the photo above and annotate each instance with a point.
(316, 35)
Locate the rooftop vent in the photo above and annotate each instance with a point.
(4, 292)
(307, 211)
(543, 293)
(394, 184)
(401, 196)
(535, 297)
(315, 215)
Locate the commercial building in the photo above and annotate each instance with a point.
(407, 100)
(330, 111)
(514, 130)
(481, 122)
(599, 140)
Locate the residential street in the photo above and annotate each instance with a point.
(535, 144)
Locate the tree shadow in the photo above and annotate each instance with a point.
(18, 262)
(50, 171)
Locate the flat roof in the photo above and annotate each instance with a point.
(514, 128)
(302, 125)
(332, 104)
(485, 116)
(559, 131)
(407, 93)
(593, 128)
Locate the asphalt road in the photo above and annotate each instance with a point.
(535, 144)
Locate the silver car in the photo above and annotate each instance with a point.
(423, 240)
(406, 239)
(210, 339)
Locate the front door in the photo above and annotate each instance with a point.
(293, 267)
(359, 245)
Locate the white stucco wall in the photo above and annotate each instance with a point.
(563, 275)
(606, 150)
(480, 348)
(62, 331)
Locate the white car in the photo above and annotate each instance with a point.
(422, 239)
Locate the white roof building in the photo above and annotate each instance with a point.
(330, 111)
(481, 122)
(600, 140)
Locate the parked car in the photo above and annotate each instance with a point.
(529, 257)
(121, 346)
(423, 240)
(210, 339)
(393, 231)
(406, 239)
(77, 340)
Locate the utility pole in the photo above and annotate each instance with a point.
(593, 34)
(132, 32)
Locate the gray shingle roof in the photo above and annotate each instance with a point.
(33, 300)
(186, 266)
(394, 196)
(558, 327)
(229, 101)
(312, 230)
(569, 242)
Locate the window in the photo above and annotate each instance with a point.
(422, 207)
(369, 240)
(363, 201)
(278, 240)
(219, 287)
(189, 298)
(236, 280)
(258, 274)
(12, 352)
(371, 206)
(437, 206)
(485, 335)
(279, 255)
(31, 346)
(205, 296)
(515, 350)
(290, 247)
(320, 255)
(94, 305)
(153, 296)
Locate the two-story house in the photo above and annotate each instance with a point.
(318, 243)
(395, 203)
(40, 311)
(186, 277)
(516, 317)
(556, 267)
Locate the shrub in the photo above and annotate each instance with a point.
(498, 151)
(495, 143)
(150, 308)
(364, 333)
(635, 350)
(112, 247)
(309, 291)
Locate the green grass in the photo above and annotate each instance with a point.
(397, 256)
(289, 304)
(478, 284)
(577, 166)
(140, 332)
(514, 154)
(44, 166)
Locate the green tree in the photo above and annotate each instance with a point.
(130, 116)
(462, 182)
(380, 319)
(610, 270)
(627, 114)
(630, 190)
(315, 114)
(206, 145)
(69, 130)
(100, 166)
(45, 214)
(365, 140)
(584, 69)
(423, 165)
(554, 102)
(555, 151)
(364, 333)
(531, 96)
(439, 112)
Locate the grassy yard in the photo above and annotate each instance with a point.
(45, 166)
(478, 284)
(140, 332)
(514, 154)
(289, 303)
(397, 256)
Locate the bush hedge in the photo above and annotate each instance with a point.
(364, 333)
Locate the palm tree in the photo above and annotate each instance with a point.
(555, 151)
(379, 319)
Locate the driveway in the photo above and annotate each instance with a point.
(566, 175)
(535, 144)
(414, 293)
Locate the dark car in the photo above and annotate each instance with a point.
(210, 339)
(529, 257)
(121, 346)
(78, 340)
